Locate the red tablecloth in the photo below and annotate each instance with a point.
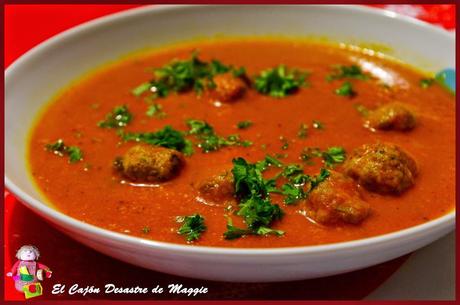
(73, 263)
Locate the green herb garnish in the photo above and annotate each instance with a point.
(259, 213)
(280, 81)
(253, 191)
(146, 230)
(341, 72)
(292, 193)
(345, 90)
(285, 143)
(185, 75)
(192, 226)
(75, 154)
(309, 153)
(208, 140)
(155, 110)
(255, 206)
(59, 148)
(333, 155)
(268, 161)
(234, 232)
(244, 124)
(118, 117)
(303, 131)
(318, 124)
(167, 137)
(324, 173)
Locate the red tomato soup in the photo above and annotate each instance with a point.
(358, 145)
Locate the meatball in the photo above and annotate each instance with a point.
(337, 199)
(228, 88)
(382, 168)
(217, 189)
(392, 116)
(146, 163)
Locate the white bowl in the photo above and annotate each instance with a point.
(34, 78)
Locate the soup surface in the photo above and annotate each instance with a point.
(319, 123)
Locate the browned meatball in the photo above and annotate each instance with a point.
(228, 88)
(383, 168)
(392, 116)
(217, 189)
(337, 199)
(146, 163)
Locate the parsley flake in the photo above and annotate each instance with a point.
(244, 124)
(146, 230)
(184, 75)
(167, 137)
(318, 124)
(341, 72)
(155, 110)
(118, 117)
(255, 206)
(333, 155)
(303, 131)
(192, 226)
(208, 140)
(345, 90)
(280, 81)
(59, 148)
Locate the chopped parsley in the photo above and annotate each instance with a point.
(300, 185)
(292, 193)
(426, 82)
(333, 155)
(244, 124)
(184, 75)
(280, 81)
(192, 226)
(146, 230)
(285, 143)
(345, 90)
(309, 153)
(255, 206)
(303, 131)
(259, 213)
(167, 137)
(155, 110)
(294, 173)
(59, 148)
(341, 72)
(143, 88)
(324, 173)
(118, 117)
(234, 232)
(253, 191)
(268, 161)
(318, 124)
(75, 154)
(208, 140)
(248, 179)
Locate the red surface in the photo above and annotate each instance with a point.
(73, 263)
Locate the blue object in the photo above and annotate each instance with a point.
(446, 78)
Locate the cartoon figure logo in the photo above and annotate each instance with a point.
(27, 272)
